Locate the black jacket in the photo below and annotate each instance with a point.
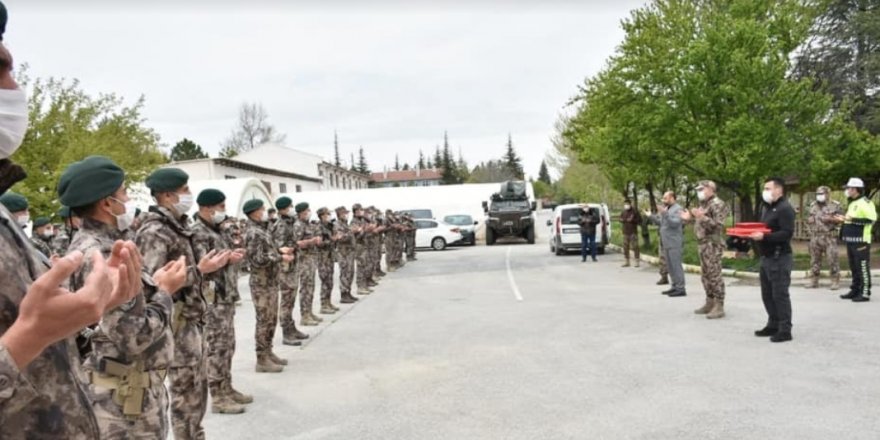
(779, 217)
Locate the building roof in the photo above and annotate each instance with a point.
(249, 167)
(406, 176)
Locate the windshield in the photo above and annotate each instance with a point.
(459, 220)
(571, 216)
(511, 205)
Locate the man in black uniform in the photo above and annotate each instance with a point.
(776, 261)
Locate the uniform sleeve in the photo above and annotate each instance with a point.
(154, 250)
(714, 220)
(202, 245)
(137, 325)
(260, 252)
(16, 392)
(811, 215)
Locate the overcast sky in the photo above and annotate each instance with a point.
(389, 76)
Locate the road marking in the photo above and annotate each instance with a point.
(510, 277)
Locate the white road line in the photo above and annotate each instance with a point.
(510, 277)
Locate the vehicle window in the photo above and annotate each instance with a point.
(459, 220)
(420, 213)
(423, 224)
(570, 216)
(431, 225)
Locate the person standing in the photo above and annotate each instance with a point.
(288, 277)
(345, 251)
(410, 238)
(62, 239)
(325, 260)
(670, 221)
(18, 205)
(588, 221)
(776, 260)
(709, 219)
(307, 240)
(822, 224)
(631, 220)
(41, 236)
(361, 228)
(856, 233)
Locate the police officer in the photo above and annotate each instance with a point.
(63, 237)
(776, 260)
(288, 277)
(132, 345)
(822, 224)
(856, 233)
(325, 260)
(709, 219)
(17, 204)
(41, 235)
(307, 238)
(410, 237)
(362, 229)
(345, 253)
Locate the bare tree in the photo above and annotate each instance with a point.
(253, 129)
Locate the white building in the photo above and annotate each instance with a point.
(274, 180)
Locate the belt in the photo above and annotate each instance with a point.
(128, 382)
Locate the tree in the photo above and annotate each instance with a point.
(405, 167)
(362, 166)
(422, 164)
(512, 162)
(353, 163)
(543, 174)
(187, 150)
(462, 169)
(336, 159)
(438, 158)
(253, 129)
(449, 174)
(66, 124)
(490, 172)
(396, 163)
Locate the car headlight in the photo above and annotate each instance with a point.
(494, 219)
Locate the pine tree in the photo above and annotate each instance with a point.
(462, 168)
(543, 174)
(362, 166)
(438, 158)
(353, 165)
(429, 165)
(396, 162)
(449, 172)
(187, 150)
(512, 162)
(421, 160)
(405, 167)
(336, 158)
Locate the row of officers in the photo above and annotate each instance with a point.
(159, 291)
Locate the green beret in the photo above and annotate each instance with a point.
(283, 202)
(167, 179)
(210, 197)
(41, 221)
(252, 205)
(64, 212)
(14, 202)
(89, 180)
(301, 207)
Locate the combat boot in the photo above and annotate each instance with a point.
(225, 405)
(664, 280)
(308, 320)
(835, 282)
(391, 268)
(290, 339)
(710, 303)
(364, 291)
(265, 365)
(277, 360)
(348, 299)
(316, 318)
(238, 397)
(638, 261)
(327, 309)
(814, 283)
(717, 310)
(382, 274)
(333, 306)
(626, 263)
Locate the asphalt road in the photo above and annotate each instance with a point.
(512, 342)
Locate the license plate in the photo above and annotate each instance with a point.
(571, 231)
(508, 223)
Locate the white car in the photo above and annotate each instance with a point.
(565, 233)
(435, 234)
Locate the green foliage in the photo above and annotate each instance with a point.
(67, 124)
(512, 161)
(543, 174)
(187, 150)
(362, 166)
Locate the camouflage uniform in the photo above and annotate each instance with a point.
(230, 229)
(664, 269)
(47, 399)
(410, 239)
(62, 240)
(307, 266)
(263, 257)
(220, 326)
(325, 263)
(711, 248)
(345, 255)
(362, 254)
(823, 237)
(134, 339)
(376, 247)
(391, 243)
(163, 238)
(283, 233)
(43, 245)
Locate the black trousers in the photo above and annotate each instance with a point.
(775, 281)
(859, 255)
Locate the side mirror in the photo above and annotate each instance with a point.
(534, 206)
(549, 222)
(485, 207)
(476, 223)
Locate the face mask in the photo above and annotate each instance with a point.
(13, 121)
(23, 220)
(184, 203)
(820, 198)
(124, 220)
(219, 216)
(47, 234)
(627, 207)
(701, 195)
(264, 217)
(767, 196)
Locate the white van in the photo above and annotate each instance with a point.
(565, 233)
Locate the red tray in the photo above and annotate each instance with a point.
(744, 230)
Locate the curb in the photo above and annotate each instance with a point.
(689, 268)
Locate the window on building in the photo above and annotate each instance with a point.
(228, 177)
(267, 185)
(299, 188)
(320, 172)
(282, 188)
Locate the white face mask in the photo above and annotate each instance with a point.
(184, 203)
(47, 233)
(124, 220)
(820, 198)
(701, 195)
(264, 217)
(13, 121)
(219, 216)
(767, 196)
(23, 220)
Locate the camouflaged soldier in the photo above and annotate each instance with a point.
(165, 236)
(307, 239)
(410, 237)
(709, 219)
(231, 231)
(41, 236)
(17, 204)
(62, 238)
(132, 346)
(362, 229)
(823, 227)
(325, 259)
(216, 287)
(264, 257)
(390, 242)
(378, 244)
(288, 277)
(345, 254)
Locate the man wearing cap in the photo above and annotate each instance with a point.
(410, 237)
(165, 236)
(630, 219)
(231, 231)
(273, 217)
(391, 263)
(362, 229)
(62, 239)
(131, 347)
(709, 219)
(856, 233)
(378, 240)
(822, 224)
(264, 257)
(17, 204)
(345, 253)
(220, 325)
(325, 259)
(282, 232)
(41, 236)
(307, 238)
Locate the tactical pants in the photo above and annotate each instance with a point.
(151, 424)
(824, 245)
(710, 265)
(364, 268)
(308, 267)
(775, 281)
(859, 255)
(631, 241)
(288, 280)
(410, 245)
(325, 273)
(346, 269)
(376, 256)
(664, 265)
(189, 400)
(264, 292)
(220, 338)
(390, 253)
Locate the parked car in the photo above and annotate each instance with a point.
(466, 225)
(435, 234)
(419, 213)
(565, 232)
